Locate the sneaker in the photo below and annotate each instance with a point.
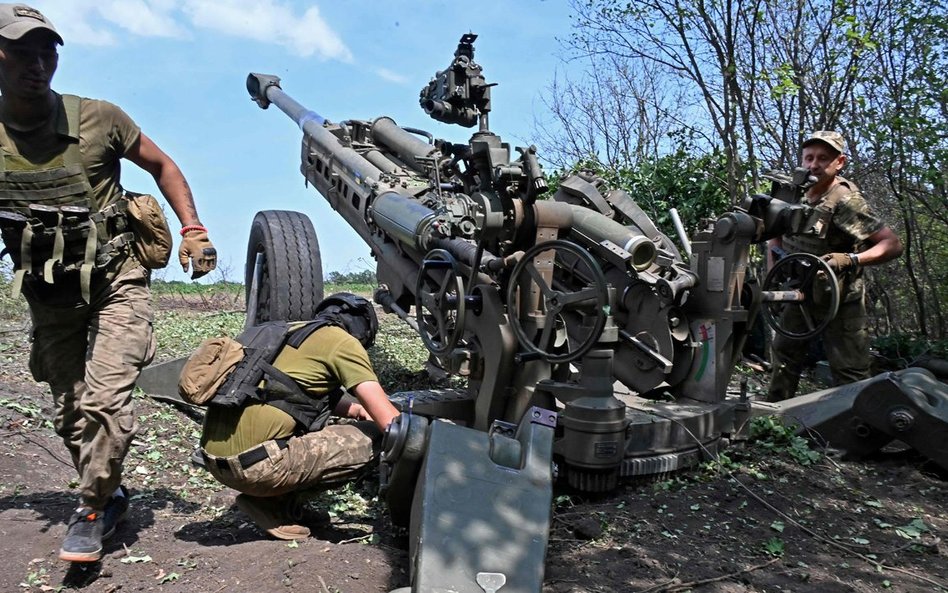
(83, 541)
(270, 516)
(114, 513)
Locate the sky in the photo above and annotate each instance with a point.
(178, 68)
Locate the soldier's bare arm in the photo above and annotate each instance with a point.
(885, 246)
(373, 398)
(174, 187)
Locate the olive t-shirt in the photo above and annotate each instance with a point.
(329, 358)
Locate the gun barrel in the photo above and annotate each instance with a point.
(409, 147)
(265, 89)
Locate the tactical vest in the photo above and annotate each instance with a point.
(256, 380)
(812, 238)
(48, 221)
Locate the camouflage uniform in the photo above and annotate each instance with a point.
(89, 351)
(260, 450)
(846, 338)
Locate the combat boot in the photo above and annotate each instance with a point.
(273, 516)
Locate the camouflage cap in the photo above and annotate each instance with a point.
(834, 140)
(16, 20)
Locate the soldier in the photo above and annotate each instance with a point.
(274, 446)
(73, 245)
(853, 237)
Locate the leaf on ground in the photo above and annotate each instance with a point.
(914, 530)
(774, 546)
(171, 576)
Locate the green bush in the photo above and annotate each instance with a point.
(772, 434)
(901, 349)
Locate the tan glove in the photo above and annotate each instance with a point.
(197, 249)
(840, 262)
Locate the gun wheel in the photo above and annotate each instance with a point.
(800, 296)
(440, 306)
(577, 285)
(284, 273)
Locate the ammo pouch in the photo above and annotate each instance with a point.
(153, 241)
(818, 221)
(54, 243)
(207, 368)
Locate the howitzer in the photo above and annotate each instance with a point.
(589, 344)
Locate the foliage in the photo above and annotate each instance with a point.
(354, 500)
(180, 332)
(747, 80)
(366, 277)
(692, 183)
(177, 287)
(905, 348)
(35, 414)
(772, 434)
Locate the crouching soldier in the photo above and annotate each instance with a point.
(270, 395)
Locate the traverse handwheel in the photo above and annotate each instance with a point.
(803, 286)
(440, 306)
(576, 284)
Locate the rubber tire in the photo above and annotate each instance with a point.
(292, 282)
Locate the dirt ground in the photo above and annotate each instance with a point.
(755, 522)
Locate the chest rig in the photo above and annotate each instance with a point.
(262, 344)
(815, 237)
(48, 219)
(812, 235)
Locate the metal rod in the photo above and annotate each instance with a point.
(680, 229)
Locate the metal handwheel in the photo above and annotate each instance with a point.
(440, 307)
(805, 282)
(571, 264)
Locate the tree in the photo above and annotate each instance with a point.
(693, 44)
(747, 79)
(611, 112)
(902, 106)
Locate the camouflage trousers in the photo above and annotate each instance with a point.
(845, 341)
(313, 461)
(91, 355)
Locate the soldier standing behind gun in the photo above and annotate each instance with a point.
(76, 258)
(855, 237)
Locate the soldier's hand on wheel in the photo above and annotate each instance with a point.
(198, 251)
(840, 262)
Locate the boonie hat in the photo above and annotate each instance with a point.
(834, 139)
(16, 20)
